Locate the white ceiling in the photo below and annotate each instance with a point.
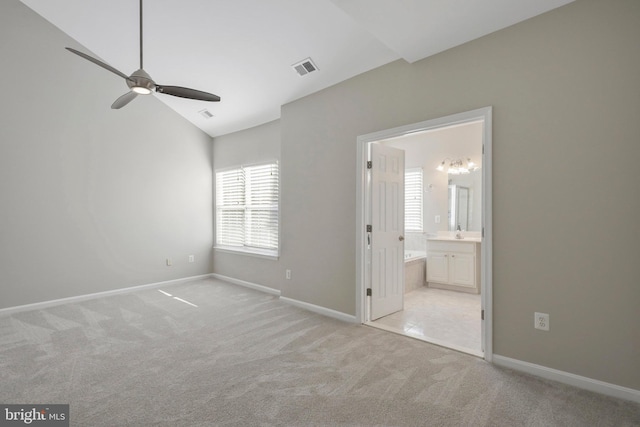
(243, 50)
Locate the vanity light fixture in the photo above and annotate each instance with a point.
(458, 167)
(471, 165)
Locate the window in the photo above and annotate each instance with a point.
(247, 209)
(413, 199)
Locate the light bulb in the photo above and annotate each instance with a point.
(141, 90)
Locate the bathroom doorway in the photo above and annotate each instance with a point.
(447, 239)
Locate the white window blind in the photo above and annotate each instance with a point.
(247, 208)
(413, 200)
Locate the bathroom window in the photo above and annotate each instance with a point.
(413, 199)
(247, 200)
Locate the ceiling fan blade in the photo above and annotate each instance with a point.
(98, 62)
(123, 100)
(184, 92)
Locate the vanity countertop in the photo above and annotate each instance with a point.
(453, 239)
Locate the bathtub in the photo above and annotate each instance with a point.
(413, 255)
(415, 270)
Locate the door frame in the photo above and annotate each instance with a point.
(363, 212)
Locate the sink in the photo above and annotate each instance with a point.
(455, 239)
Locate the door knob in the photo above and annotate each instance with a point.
(401, 238)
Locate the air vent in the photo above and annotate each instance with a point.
(205, 113)
(305, 67)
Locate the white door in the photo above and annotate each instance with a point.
(387, 240)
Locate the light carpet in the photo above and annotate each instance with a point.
(244, 358)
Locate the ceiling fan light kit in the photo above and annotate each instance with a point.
(141, 83)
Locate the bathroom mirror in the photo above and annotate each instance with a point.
(459, 207)
(464, 201)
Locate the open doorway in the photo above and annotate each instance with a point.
(442, 237)
(446, 233)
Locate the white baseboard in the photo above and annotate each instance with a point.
(321, 310)
(247, 284)
(305, 305)
(568, 378)
(78, 298)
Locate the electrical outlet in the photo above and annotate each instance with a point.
(541, 321)
(169, 263)
(287, 274)
(437, 219)
(192, 258)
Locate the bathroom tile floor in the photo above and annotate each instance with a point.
(447, 318)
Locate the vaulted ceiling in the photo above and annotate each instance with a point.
(243, 50)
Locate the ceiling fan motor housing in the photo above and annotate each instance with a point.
(139, 81)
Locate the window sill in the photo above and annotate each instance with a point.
(258, 253)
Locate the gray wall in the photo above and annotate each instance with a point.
(253, 145)
(93, 199)
(564, 88)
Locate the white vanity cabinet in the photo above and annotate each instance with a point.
(454, 264)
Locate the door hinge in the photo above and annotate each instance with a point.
(482, 148)
(368, 292)
(482, 315)
(369, 228)
(369, 164)
(482, 231)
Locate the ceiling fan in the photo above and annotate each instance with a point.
(141, 83)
